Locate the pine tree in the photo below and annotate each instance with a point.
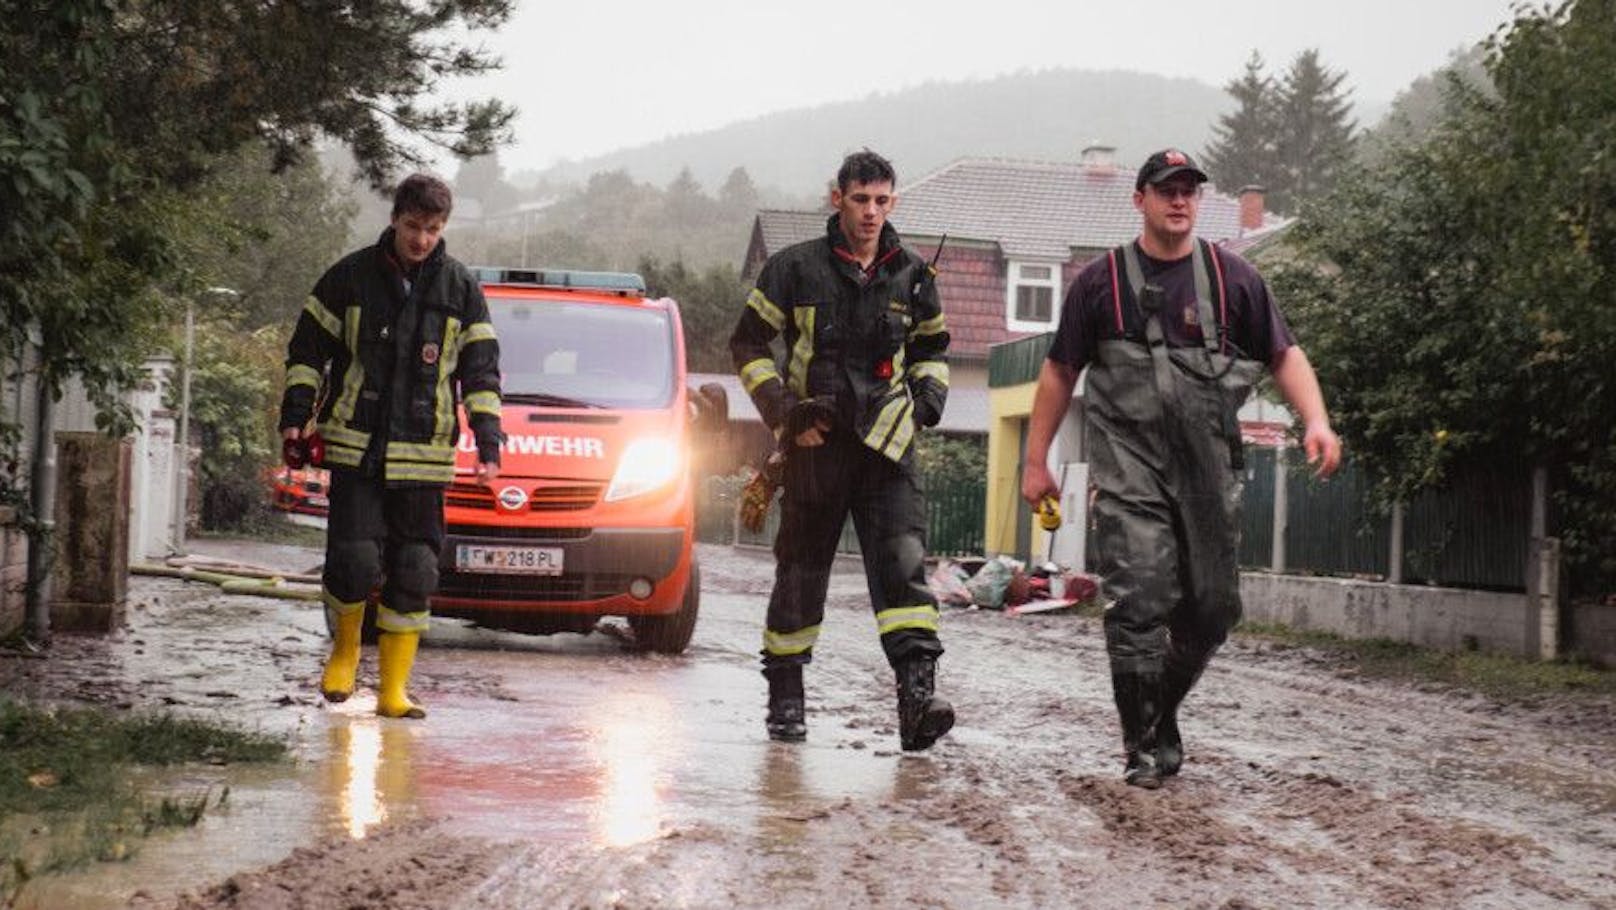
(1315, 133)
(1242, 149)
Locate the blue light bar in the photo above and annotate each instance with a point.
(561, 278)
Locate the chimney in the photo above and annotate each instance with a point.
(1251, 207)
(1098, 157)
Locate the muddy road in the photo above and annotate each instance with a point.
(566, 772)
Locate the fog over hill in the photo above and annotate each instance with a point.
(1045, 115)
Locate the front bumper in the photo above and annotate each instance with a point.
(597, 566)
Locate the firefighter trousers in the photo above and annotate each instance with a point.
(384, 535)
(822, 486)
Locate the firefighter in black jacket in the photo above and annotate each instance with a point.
(398, 335)
(863, 369)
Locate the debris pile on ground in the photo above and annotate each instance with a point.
(1005, 583)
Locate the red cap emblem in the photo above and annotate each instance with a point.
(1175, 158)
(429, 353)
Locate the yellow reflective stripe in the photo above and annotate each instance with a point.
(921, 616)
(897, 369)
(757, 373)
(342, 455)
(766, 309)
(299, 374)
(885, 422)
(802, 353)
(417, 471)
(417, 451)
(390, 620)
(354, 378)
(341, 435)
(339, 607)
(790, 642)
(902, 435)
(932, 326)
(482, 331)
(324, 317)
(930, 369)
(483, 403)
(444, 418)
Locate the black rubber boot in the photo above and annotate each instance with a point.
(787, 720)
(1178, 678)
(1138, 698)
(923, 717)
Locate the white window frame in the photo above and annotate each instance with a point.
(1013, 279)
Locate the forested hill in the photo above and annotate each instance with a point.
(1046, 115)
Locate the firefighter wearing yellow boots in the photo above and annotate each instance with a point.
(398, 335)
(864, 372)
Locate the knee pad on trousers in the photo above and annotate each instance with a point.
(352, 568)
(412, 577)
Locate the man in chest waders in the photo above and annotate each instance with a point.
(1173, 332)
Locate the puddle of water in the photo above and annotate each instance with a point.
(562, 740)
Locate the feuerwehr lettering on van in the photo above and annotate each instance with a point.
(523, 444)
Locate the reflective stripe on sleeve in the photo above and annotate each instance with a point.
(757, 373)
(300, 374)
(765, 308)
(324, 317)
(930, 369)
(484, 402)
(933, 326)
(482, 331)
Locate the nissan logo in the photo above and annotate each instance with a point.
(512, 498)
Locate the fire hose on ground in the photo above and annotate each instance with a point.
(238, 579)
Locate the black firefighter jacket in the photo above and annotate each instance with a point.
(872, 343)
(395, 365)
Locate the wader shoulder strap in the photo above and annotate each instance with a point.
(1213, 330)
(1163, 367)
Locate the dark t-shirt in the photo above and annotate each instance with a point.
(1257, 328)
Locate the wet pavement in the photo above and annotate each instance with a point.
(567, 771)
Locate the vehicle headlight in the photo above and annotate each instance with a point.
(649, 463)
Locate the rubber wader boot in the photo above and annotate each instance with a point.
(396, 655)
(923, 717)
(1138, 701)
(1177, 681)
(338, 681)
(787, 721)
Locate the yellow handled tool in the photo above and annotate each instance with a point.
(1049, 516)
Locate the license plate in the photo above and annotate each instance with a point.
(320, 501)
(508, 560)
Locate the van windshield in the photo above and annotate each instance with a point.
(594, 355)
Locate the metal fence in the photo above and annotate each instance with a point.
(1473, 533)
(954, 518)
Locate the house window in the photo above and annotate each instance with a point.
(1031, 291)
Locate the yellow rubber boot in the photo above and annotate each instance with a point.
(396, 655)
(338, 682)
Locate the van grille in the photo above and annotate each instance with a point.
(562, 498)
(544, 496)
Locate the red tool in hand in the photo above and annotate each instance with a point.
(301, 451)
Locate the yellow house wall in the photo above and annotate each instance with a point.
(1009, 408)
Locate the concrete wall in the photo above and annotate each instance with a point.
(1445, 618)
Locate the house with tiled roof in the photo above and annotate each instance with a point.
(1018, 233)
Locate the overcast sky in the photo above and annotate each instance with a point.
(595, 76)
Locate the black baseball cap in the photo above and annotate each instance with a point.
(1164, 164)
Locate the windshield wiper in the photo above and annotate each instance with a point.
(545, 398)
